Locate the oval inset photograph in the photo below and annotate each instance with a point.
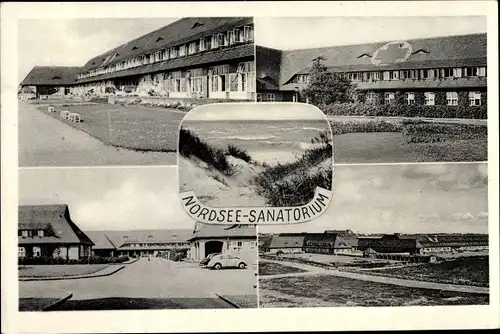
(255, 163)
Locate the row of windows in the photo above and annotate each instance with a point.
(442, 73)
(30, 233)
(271, 97)
(178, 244)
(231, 37)
(429, 98)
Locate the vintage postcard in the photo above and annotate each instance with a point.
(241, 166)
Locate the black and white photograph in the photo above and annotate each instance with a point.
(116, 239)
(395, 89)
(113, 91)
(394, 235)
(255, 155)
(249, 166)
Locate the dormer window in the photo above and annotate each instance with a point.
(135, 48)
(56, 78)
(364, 55)
(159, 39)
(40, 233)
(420, 51)
(196, 25)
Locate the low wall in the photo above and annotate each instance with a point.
(166, 101)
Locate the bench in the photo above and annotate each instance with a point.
(51, 109)
(75, 117)
(65, 114)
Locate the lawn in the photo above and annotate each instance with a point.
(138, 128)
(329, 290)
(271, 268)
(59, 270)
(472, 270)
(35, 304)
(156, 129)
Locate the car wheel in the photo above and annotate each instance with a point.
(242, 265)
(217, 266)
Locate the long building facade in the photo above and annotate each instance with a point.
(191, 58)
(448, 70)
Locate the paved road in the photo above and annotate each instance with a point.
(45, 141)
(311, 270)
(158, 278)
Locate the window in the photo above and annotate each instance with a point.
(475, 98)
(214, 42)
(370, 98)
(196, 84)
(394, 75)
(222, 39)
(231, 37)
(429, 98)
(387, 75)
(193, 48)
(389, 97)
(451, 98)
(182, 51)
(40, 233)
(271, 97)
(21, 252)
(239, 35)
(259, 97)
(410, 98)
(433, 73)
(302, 78)
(174, 52)
(24, 233)
(202, 44)
(248, 33)
(457, 72)
(448, 72)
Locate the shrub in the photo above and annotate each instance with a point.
(439, 132)
(403, 110)
(238, 153)
(378, 125)
(60, 260)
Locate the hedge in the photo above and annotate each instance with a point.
(404, 110)
(343, 127)
(60, 260)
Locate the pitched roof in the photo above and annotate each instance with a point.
(436, 51)
(56, 219)
(205, 231)
(181, 31)
(51, 76)
(194, 60)
(344, 241)
(119, 238)
(267, 83)
(100, 240)
(287, 241)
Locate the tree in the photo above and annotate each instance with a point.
(326, 87)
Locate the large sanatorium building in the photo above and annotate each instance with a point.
(448, 70)
(49, 231)
(189, 58)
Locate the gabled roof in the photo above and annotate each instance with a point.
(54, 217)
(51, 76)
(181, 31)
(342, 241)
(285, 241)
(440, 50)
(100, 241)
(120, 238)
(207, 231)
(267, 83)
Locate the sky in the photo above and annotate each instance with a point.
(367, 198)
(425, 198)
(262, 111)
(299, 33)
(56, 42)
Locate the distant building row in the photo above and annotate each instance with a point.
(347, 242)
(447, 70)
(190, 58)
(49, 231)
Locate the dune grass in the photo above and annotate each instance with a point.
(191, 145)
(294, 183)
(238, 153)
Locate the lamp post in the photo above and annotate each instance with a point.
(296, 96)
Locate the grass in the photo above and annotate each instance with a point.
(39, 271)
(329, 290)
(473, 270)
(271, 268)
(191, 145)
(238, 153)
(136, 128)
(294, 183)
(35, 304)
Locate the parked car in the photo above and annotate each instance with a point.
(226, 261)
(205, 261)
